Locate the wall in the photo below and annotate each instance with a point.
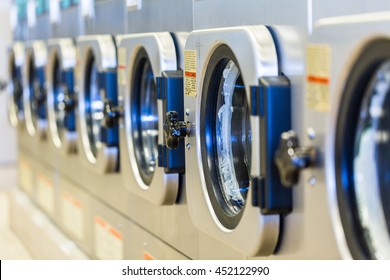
(7, 133)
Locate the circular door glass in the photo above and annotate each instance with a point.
(16, 87)
(226, 132)
(94, 107)
(371, 163)
(35, 98)
(144, 117)
(59, 105)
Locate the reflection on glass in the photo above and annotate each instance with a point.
(17, 89)
(371, 164)
(145, 119)
(33, 85)
(59, 106)
(94, 106)
(233, 138)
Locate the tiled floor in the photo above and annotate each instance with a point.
(10, 245)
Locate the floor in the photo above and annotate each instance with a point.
(11, 247)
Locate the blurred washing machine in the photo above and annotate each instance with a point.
(97, 95)
(34, 92)
(33, 143)
(243, 89)
(347, 102)
(149, 169)
(61, 99)
(15, 85)
(150, 83)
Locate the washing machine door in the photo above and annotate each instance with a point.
(237, 104)
(97, 97)
(362, 153)
(143, 58)
(34, 90)
(15, 85)
(60, 94)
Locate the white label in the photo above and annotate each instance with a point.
(55, 11)
(108, 241)
(134, 5)
(318, 77)
(25, 177)
(190, 73)
(45, 193)
(31, 13)
(13, 16)
(87, 8)
(73, 215)
(122, 66)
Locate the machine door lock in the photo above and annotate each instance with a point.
(290, 158)
(112, 113)
(174, 129)
(171, 151)
(39, 94)
(69, 102)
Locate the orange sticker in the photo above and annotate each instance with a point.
(148, 256)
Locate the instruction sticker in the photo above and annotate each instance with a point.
(73, 215)
(25, 176)
(45, 193)
(190, 73)
(318, 77)
(122, 66)
(108, 241)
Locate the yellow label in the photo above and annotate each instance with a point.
(122, 66)
(318, 77)
(190, 73)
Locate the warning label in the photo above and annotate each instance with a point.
(45, 193)
(190, 73)
(73, 215)
(318, 77)
(108, 241)
(25, 177)
(122, 66)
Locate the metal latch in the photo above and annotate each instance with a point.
(290, 158)
(174, 130)
(111, 113)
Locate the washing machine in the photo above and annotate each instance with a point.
(347, 81)
(61, 99)
(15, 85)
(34, 92)
(106, 176)
(242, 90)
(150, 85)
(97, 97)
